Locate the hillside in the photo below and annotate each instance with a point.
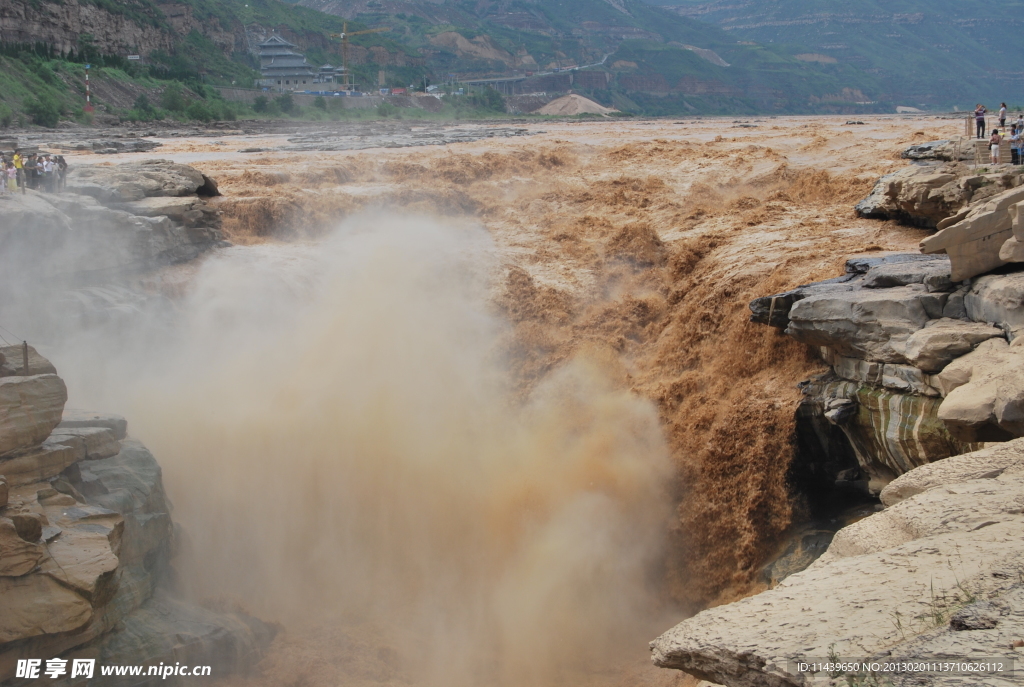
(635, 56)
(936, 53)
(648, 59)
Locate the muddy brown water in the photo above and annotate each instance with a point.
(492, 412)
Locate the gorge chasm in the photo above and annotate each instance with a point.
(640, 328)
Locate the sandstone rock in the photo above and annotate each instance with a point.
(13, 362)
(890, 433)
(997, 298)
(986, 463)
(984, 393)
(82, 558)
(31, 212)
(28, 525)
(943, 340)
(173, 207)
(919, 195)
(4, 491)
(30, 407)
(35, 605)
(41, 462)
(74, 417)
(885, 588)
(904, 378)
(1012, 250)
(934, 274)
(774, 310)
(973, 243)
(17, 556)
(870, 324)
(945, 150)
(96, 442)
(134, 181)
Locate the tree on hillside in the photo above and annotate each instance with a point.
(172, 98)
(44, 111)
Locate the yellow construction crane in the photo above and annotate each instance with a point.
(346, 75)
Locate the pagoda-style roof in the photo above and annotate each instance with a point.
(276, 41)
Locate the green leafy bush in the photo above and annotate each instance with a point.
(43, 110)
(142, 103)
(172, 98)
(199, 110)
(6, 116)
(260, 103)
(285, 102)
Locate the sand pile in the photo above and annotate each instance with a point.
(573, 104)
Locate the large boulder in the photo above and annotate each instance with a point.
(134, 181)
(998, 299)
(974, 243)
(30, 407)
(888, 586)
(945, 151)
(942, 341)
(984, 392)
(12, 362)
(871, 271)
(869, 324)
(923, 196)
(30, 211)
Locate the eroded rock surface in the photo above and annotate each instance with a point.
(126, 217)
(944, 555)
(85, 541)
(922, 366)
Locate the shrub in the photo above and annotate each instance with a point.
(320, 103)
(224, 111)
(260, 103)
(142, 104)
(386, 109)
(172, 98)
(199, 110)
(6, 116)
(44, 111)
(285, 102)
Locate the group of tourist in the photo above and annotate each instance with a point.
(32, 171)
(1016, 134)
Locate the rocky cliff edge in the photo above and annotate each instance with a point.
(937, 575)
(86, 538)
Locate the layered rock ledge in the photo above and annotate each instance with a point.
(85, 542)
(110, 220)
(921, 367)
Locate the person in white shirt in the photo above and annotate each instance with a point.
(1002, 116)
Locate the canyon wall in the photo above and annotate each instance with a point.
(86, 538)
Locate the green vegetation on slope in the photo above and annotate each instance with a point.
(922, 52)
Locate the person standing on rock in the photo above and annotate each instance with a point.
(19, 166)
(1002, 116)
(979, 119)
(47, 166)
(993, 144)
(62, 173)
(12, 177)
